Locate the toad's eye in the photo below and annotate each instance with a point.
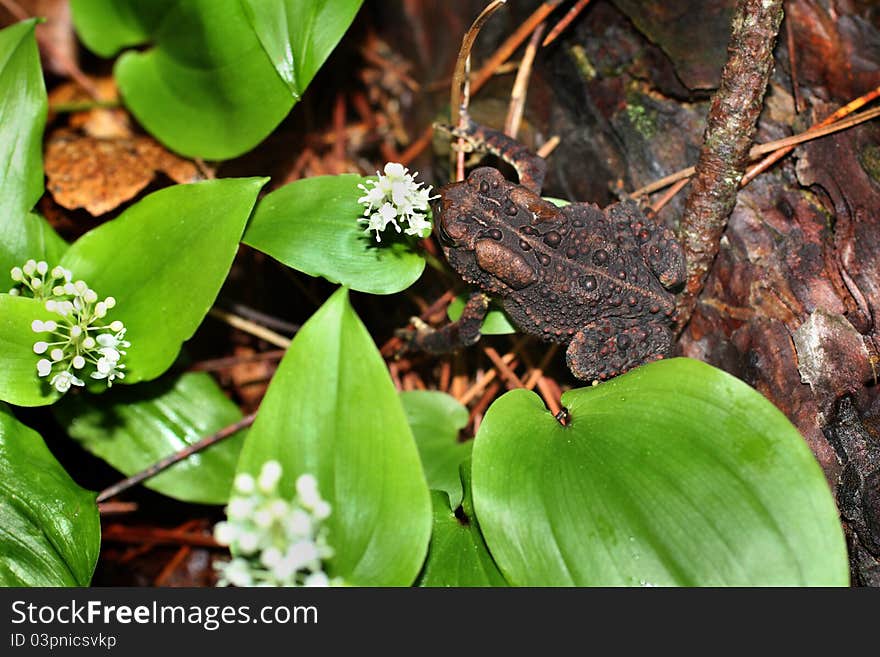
(443, 233)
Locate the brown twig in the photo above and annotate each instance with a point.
(227, 362)
(521, 85)
(250, 327)
(777, 146)
(792, 65)
(514, 41)
(730, 128)
(507, 374)
(168, 461)
(660, 203)
(833, 120)
(559, 28)
(550, 393)
(479, 386)
(479, 409)
(461, 81)
(156, 536)
(476, 82)
(548, 147)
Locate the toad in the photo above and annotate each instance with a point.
(596, 280)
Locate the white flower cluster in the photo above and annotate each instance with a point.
(78, 339)
(396, 197)
(276, 542)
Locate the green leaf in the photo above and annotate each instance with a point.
(674, 474)
(50, 532)
(312, 226)
(458, 555)
(332, 411)
(436, 419)
(133, 427)
(43, 243)
(164, 260)
(22, 118)
(206, 87)
(298, 35)
(19, 383)
(496, 322)
(107, 26)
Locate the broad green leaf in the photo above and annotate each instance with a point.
(132, 427)
(332, 411)
(19, 383)
(164, 260)
(496, 322)
(435, 419)
(107, 26)
(312, 226)
(674, 474)
(43, 243)
(50, 532)
(22, 118)
(205, 87)
(457, 555)
(298, 35)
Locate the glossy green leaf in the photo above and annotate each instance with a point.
(312, 226)
(298, 35)
(19, 383)
(332, 411)
(50, 532)
(164, 260)
(496, 322)
(674, 474)
(132, 427)
(22, 117)
(205, 87)
(436, 419)
(458, 555)
(107, 26)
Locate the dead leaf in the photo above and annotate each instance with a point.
(99, 174)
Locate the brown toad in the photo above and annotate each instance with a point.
(594, 279)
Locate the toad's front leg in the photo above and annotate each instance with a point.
(612, 345)
(455, 335)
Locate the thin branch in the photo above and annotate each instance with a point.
(521, 85)
(730, 129)
(785, 144)
(250, 327)
(177, 457)
(559, 28)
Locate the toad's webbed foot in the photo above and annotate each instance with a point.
(530, 167)
(455, 335)
(612, 346)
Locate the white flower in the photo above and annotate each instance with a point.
(276, 542)
(225, 533)
(236, 572)
(244, 483)
(317, 579)
(270, 475)
(63, 380)
(395, 198)
(240, 508)
(307, 489)
(78, 340)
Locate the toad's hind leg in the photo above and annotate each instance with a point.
(530, 167)
(611, 346)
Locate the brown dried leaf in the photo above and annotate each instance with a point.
(99, 174)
